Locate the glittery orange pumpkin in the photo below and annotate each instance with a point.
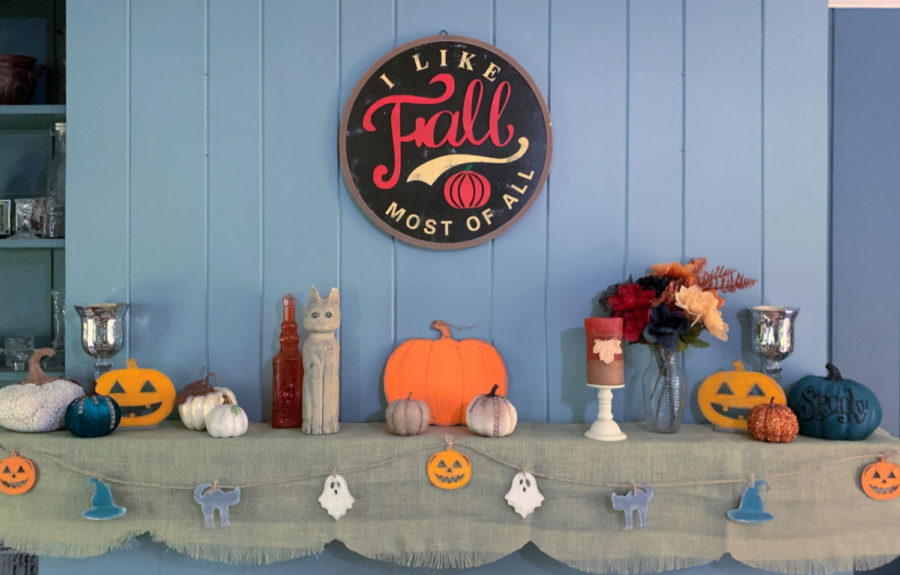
(449, 469)
(17, 474)
(772, 423)
(881, 480)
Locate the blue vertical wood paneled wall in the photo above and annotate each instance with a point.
(205, 184)
(205, 181)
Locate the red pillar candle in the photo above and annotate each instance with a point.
(605, 364)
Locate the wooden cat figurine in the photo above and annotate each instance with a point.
(321, 357)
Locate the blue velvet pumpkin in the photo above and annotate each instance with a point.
(832, 407)
(93, 416)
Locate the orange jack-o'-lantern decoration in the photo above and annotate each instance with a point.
(881, 480)
(145, 396)
(17, 474)
(449, 469)
(726, 397)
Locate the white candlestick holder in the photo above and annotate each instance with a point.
(605, 428)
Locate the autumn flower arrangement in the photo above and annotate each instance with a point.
(672, 305)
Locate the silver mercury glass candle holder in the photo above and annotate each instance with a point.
(102, 332)
(772, 337)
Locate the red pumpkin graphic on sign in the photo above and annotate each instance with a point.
(467, 189)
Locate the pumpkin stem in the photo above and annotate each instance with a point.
(409, 397)
(833, 373)
(442, 327)
(739, 366)
(493, 392)
(36, 375)
(198, 387)
(227, 400)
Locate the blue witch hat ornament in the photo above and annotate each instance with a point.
(751, 508)
(102, 504)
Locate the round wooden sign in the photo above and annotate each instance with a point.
(445, 142)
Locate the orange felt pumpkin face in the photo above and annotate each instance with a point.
(449, 469)
(444, 373)
(881, 480)
(17, 474)
(726, 397)
(145, 396)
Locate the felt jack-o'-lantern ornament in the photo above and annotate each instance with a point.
(881, 480)
(726, 397)
(449, 469)
(445, 373)
(17, 475)
(145, 396)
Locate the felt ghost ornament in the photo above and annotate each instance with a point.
(524, 495)
(336, 498)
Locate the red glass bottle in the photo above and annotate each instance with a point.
(287, 372)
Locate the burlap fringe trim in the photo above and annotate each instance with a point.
(440, 560)
(822, 566)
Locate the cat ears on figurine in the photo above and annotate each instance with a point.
(333, 295)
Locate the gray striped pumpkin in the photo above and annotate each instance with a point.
(407, 416)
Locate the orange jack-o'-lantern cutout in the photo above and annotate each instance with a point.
(449, 469)
(881, 480)
(145, 396)
(726, 397)
(17, 474)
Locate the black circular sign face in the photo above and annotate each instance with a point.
(445, 142)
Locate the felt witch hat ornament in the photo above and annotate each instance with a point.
(751, 508)
(102, 504)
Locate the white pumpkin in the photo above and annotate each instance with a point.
(491, 415)
(227, 420)
(198, 398)
(37, 403)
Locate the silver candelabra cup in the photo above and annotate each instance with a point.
(102, 332)
(772, 336)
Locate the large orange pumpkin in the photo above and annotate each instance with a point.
(444, 373)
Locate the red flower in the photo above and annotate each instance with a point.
(634, 323)
(632, 303)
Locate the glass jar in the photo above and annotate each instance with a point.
(55, 219)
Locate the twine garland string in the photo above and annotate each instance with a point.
(448, 442)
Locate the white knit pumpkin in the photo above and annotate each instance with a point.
(198, 398)
(38, 403)
(491, 415)
(226, 421)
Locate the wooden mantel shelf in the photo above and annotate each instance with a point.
(822, 518)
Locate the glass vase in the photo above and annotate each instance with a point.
(58, 324)
(55, 216)
(665, 390)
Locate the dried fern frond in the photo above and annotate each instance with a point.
(668, 295)
(699, 265)
(725, 280)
